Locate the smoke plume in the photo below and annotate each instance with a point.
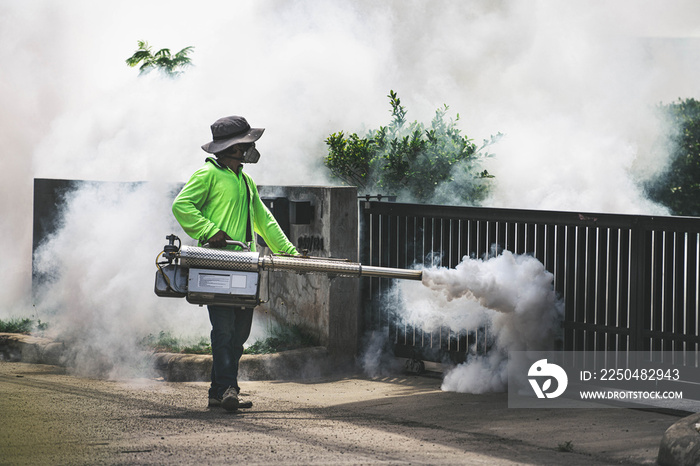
(572, 85)
(514, 298)
(508, 298)
(98, 266)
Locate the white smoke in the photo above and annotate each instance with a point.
(98, 295)
(511, 296)
(572, 85)
(377, 359)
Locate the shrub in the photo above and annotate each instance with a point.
(16, 325)
(411, 160)
(678, 187)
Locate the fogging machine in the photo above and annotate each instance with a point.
(205, 275)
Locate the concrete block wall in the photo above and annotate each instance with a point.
(326, 306)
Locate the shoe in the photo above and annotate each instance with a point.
(216, 403)
(230, 399)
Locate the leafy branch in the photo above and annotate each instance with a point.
(163, 60)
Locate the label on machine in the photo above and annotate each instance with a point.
(222, 287)
(214, 280)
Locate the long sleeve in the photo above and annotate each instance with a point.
(266, 225)
(188, 205)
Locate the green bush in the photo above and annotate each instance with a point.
(18, 325)
(411, 160)
(678, 187)
(282, 338)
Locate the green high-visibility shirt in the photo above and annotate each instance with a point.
(216, 198)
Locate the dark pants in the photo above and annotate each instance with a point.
(230, 328)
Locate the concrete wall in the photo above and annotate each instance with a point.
(327, 306)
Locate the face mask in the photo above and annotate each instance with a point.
(251, 155)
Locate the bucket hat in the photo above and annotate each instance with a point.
(231, 130)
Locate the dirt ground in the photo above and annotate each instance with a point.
(49, 417)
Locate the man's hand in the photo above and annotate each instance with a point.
(219, 239)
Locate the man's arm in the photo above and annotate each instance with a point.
(266, 225)
(188, 204)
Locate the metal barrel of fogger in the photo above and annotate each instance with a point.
(224, 259)
(192, 256)
(335, 267)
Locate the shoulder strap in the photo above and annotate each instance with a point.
(249, 227)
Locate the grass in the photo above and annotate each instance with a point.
(18, 325)
(281, 338)
(165, 342)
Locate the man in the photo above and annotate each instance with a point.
(219, 203)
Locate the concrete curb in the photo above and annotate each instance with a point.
(292, 364)
(680, 444)
(176, 367)
(17, 347)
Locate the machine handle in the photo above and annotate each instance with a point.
(231, 242)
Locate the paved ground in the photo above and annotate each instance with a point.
(49, 417)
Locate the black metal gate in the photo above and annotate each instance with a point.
(629, 282)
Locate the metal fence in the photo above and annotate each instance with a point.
(629, 282)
